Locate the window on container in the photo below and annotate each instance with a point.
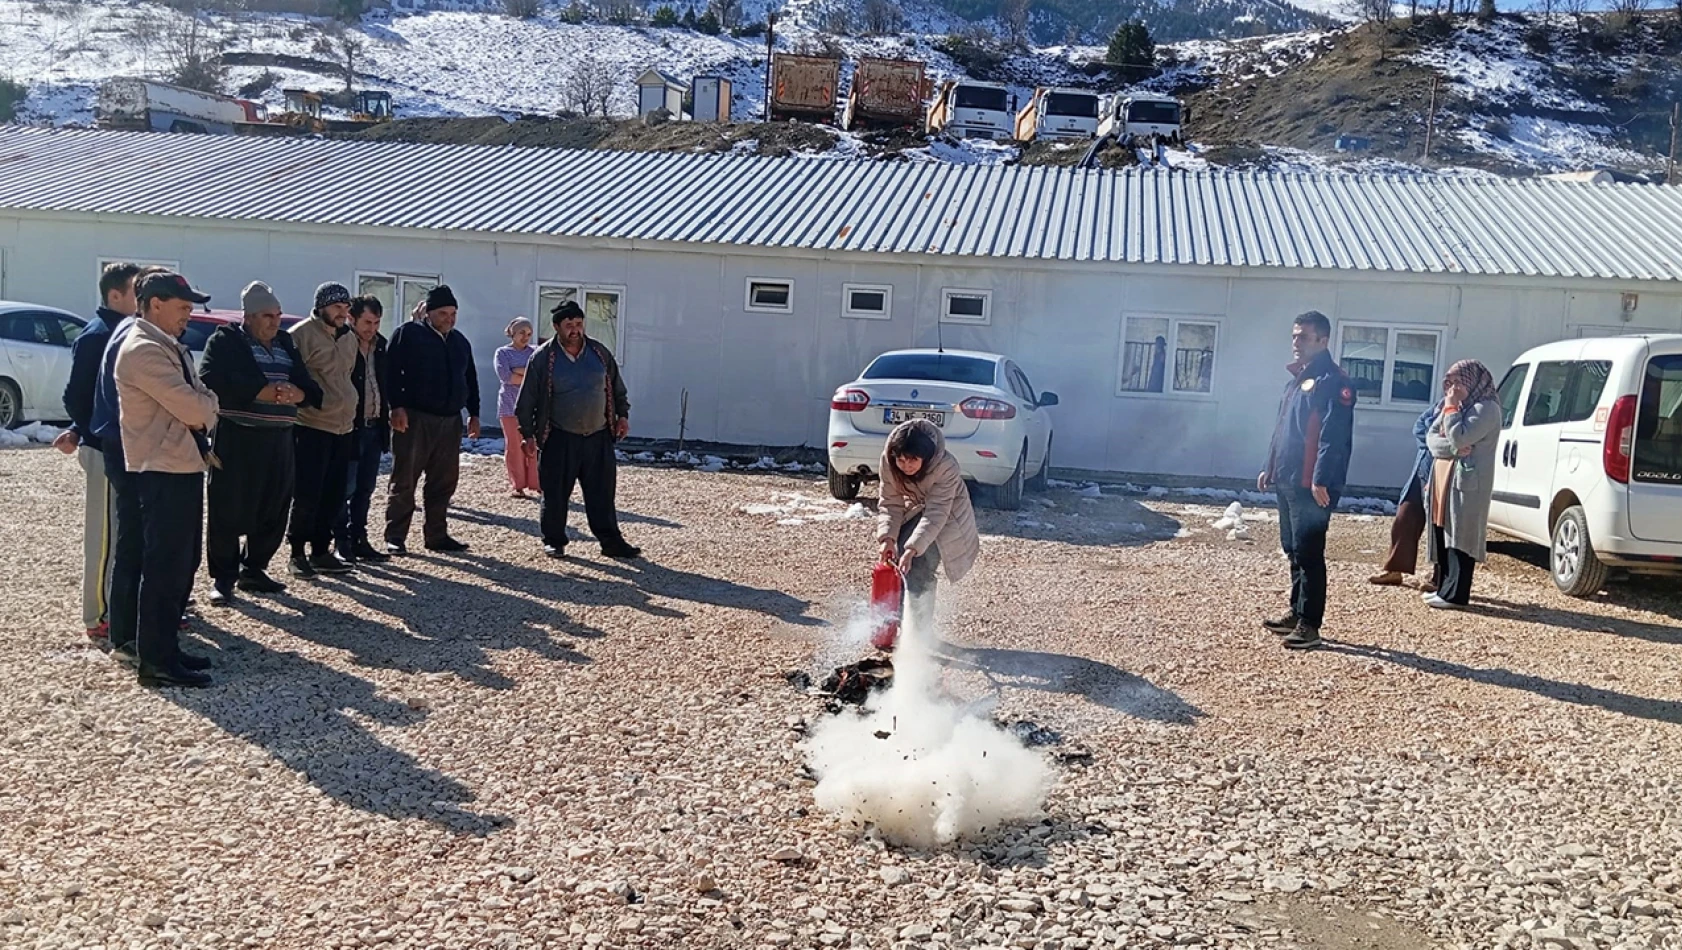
(1565, 391)
(1071, 104)
(1658, 423)
(600, 305)
(980, 97)
(867, 301)
(1390, 366)
(966, 306)
(1167, 355)
(770, 296)
(398, 295)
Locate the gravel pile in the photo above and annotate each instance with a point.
(498, 751)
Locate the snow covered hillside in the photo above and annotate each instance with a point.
(1517, 95)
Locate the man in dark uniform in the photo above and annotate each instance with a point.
(1307, 466)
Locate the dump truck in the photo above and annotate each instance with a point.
(144, 105)
(886, 94)
(803, 87)
(1143, 118)
(971, 110)
(1055, 113)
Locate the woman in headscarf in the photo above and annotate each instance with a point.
(1409, 524)
(925, 519)
(511, 363)
(1462, 479)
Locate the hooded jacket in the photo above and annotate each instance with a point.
(941, 497)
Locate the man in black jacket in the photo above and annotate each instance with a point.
(573, 407)
(117, 303)
(260, 380)
(431, 379)
(372, 434)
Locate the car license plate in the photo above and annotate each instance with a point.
(894, 417)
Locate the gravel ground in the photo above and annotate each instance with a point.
(497, 750)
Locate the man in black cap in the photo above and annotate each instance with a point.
(322, 438)
(431, 379)
(165, 419)
(573, 407)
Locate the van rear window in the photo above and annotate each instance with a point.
(1565, 391)
(1658, 423)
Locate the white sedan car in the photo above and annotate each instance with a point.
(995, 424)
(34, 362)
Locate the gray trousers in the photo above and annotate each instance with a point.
(98, 513)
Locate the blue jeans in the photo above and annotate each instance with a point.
(1302, 536)
(367, 446)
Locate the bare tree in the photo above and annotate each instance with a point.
(350, 48)
(1577, 9)
(522, 9)
(1628, 10)
(620, 12)
(1015, 16)
(882, 17)
(592, 88)
(729, 12)
(1548, 9)
(195, 55)
(1377, 14)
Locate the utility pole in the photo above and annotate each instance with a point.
(1431, 119)
(1675, 121)
(770, 44)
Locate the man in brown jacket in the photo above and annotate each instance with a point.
(322, 439)
(165, 415)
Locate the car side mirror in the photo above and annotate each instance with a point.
(1047, 400)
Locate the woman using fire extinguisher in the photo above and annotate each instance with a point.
(925, 520)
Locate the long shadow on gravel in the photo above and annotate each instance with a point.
(1099, 683)
(529, 526)
(1639, 707)
(441, 625)
(1570, 620)
(296, 709)
(647, 577)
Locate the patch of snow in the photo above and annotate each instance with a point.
(36, 433)
(793, 508)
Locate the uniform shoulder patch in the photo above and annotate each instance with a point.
(1346, 395)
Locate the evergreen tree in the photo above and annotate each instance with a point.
(1132, 52)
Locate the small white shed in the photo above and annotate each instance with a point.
(711, 99)
(657, 91)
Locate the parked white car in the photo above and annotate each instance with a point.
(34, 362)
(995, 423)
(1590, 460)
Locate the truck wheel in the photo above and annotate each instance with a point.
(1008, 497)
(843, 487)
(1576, 570)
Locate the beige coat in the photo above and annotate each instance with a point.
(331, 358)
(942, 498)
(159, 403)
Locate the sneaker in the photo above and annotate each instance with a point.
(100, 633)
(124, 653)
(1304, 637)
(329, 563)
(367, 552)
(301, 567)
(556, 551)
(621, 551)
(448, 545)
(189, 661)
(173, 675)
(186, 623)
(259, 582)
(345, 553)
(1436, 602)
(1386, 579)
(1286, 624)
(396, 549)
(222, 594)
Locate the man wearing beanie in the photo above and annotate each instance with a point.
(431, 379)
(322, 440)
(260, 380)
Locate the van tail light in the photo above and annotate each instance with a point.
(849, 400)
(980, 407)
(1620, 440)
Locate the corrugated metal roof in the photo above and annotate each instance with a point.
(1400, 223)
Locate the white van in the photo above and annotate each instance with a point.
(1590, 460)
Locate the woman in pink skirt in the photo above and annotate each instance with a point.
(511, 363)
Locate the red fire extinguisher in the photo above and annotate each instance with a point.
(887, 596)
